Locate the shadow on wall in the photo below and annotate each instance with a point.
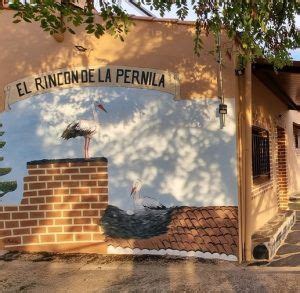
(158, 45)
(175, 147)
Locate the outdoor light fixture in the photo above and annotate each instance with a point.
(240, 71)
(222, 112)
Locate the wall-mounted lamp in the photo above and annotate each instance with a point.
(239, 71)
(222, 112)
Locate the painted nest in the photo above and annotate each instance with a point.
(144, 224)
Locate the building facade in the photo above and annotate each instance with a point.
(119, 147)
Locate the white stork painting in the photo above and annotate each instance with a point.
(84, 128)
(142, 203)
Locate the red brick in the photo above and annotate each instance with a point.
(25, 201)
(16, 240)
(36, 172)
(83, 237)
(99, 206)
(11, 208)
(91, 213)
(30, 239)
(99, 176)
(25, 186)
(61, 206)
(28, 208)
(70, 171)
(80, 177)
(22, 231)
(98, 190)
(90, 228)
(45, 192)
(98, 237)
(38, 185)
(37, 215)
(102, 183)
(19, 215)
(71, 198)
(61, 191)
(64, 237)
(53, 214)
(11, 224)
(55, 229)
(53, 171)
(70, 184)
(35, 200)
(47, 238)
(53, 199)
(79, 190)
(45, 222)
(28, 223)
(81, 221)
(45, 178)
(31, 167)
(80, 206)
(29, 193)
(61, 165)
(104, 198)
(45, 207)
(72, 228)
(5, 233)
(63, 221)
(88, 183)
(30, 179)
(90, 198)
(53, 184)
(88, 170)
(38, 230)
(71, 214)
(45, 166)
(61, 177)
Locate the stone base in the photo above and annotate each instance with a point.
(267, 240)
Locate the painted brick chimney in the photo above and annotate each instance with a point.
(62, 204)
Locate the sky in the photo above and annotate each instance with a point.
(132, 10)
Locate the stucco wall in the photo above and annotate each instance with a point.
(150, 44)
(266, 108)
(293, 154)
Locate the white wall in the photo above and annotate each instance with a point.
(176, 147)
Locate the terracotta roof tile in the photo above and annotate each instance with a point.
(207, 229)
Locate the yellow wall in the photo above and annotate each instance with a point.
(266, 108)
(27, 50)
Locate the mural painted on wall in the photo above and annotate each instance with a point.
(172, 170)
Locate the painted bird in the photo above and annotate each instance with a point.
(84, 128)
(142, 203)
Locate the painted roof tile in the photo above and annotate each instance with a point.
(208, 229)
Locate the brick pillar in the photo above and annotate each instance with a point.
(62, 204)
(282, 178)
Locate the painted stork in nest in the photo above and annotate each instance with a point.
(142, 203)
(84, 128)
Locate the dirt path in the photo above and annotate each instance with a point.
(94, 273)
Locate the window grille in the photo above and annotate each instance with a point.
(260, 153)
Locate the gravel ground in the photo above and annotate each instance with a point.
(43, 272)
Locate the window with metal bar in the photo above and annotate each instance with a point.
(260, 153)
